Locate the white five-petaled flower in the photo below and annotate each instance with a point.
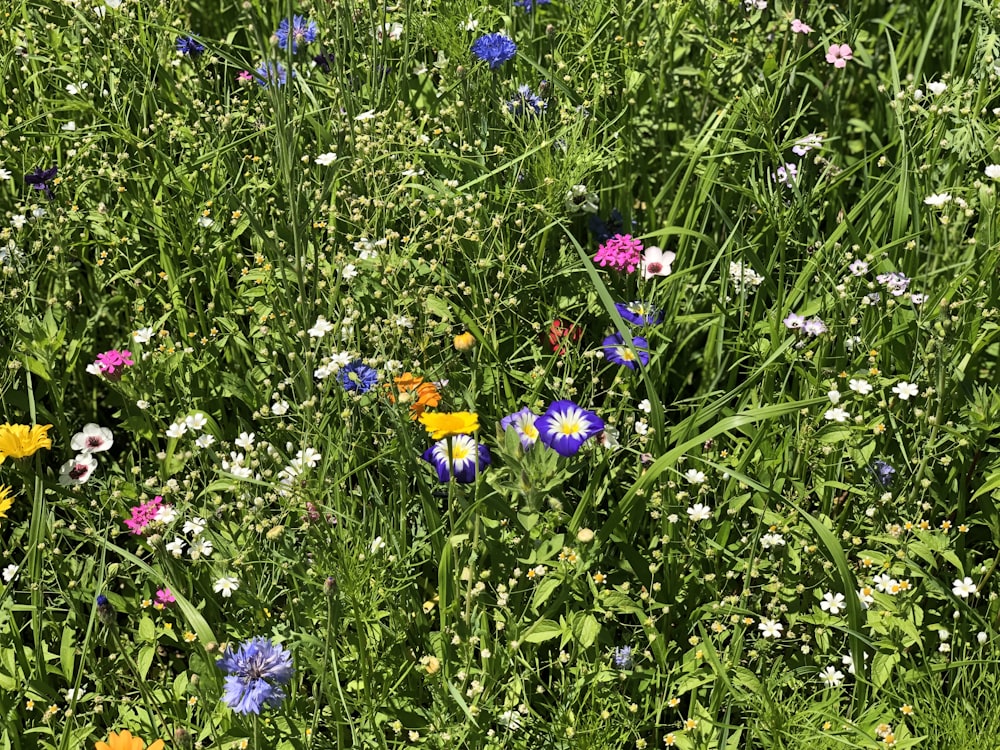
(176, 547)
(201, 547)
(831, 676)
(645, 406)
(176, 430)
(836, 415)
(196, 422)
(833, 603)
(693, 476)
(326, 159)
(165, 514)
(377, 544)
(195, 526)
(320, 328)
(92, 439)
(905, 390)
(993, 171)
(279, 408)
(699, 512)
(245, 440)
(772, 540)
(142, 335)
(963, 587)
(860, 386)
(226, 586)
(9, 572)
(655, 262)
(204, 441)
(770, 628)
(937, 199)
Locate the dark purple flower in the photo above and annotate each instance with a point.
(188, 45)
(39, 180)
(617, 351)
(296, 32)
(257, 670)
(494, 49)
(639, 313)
(565, 426)
(460, 454)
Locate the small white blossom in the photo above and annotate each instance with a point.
(833, 603)
(770, 628)
(196, 422)
(905, 390)
(226, 586)
(9, 572)
(937, 199)
(831, 676)
(176, 430)
(837, 415)
(326, 159)
(195, 526)
(699, 512)
(963, 587)
(693, 476)
(860, 386)
(176, 547)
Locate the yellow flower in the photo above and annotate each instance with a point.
(21, 440)
(449, 424)
(464, 342)
(6, 500)
(125, 741)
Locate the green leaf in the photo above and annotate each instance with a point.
(543, 630)
(67, 653)
(145, 660)
(147, 629)
(586, 628)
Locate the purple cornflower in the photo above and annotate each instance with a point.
(296, 32)
(883, 472)
(358, 377)
(565, 426)
(639, 313)
(39, 180)
(617, 351)
(523, 423)
(105, 612)
(623, 657)
(494, 49)
(526, 102)
(143, 515)
(271, 74)
(256, 672)
(188, 45)
(461, 454)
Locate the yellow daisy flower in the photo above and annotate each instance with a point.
(449, 424)
(21, 440)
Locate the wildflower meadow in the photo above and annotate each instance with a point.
(549, 374)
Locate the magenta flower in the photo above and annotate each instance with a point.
(143, 515)
(838, 55)
(245, 76)
(621, 252)
(800, 28)
(111, 364)
(164, 597)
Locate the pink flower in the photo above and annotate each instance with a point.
(164, 596)
(111, 363)
(839, 54)
(143, 515)
(621, 252)
(245, 76)
(800, 28)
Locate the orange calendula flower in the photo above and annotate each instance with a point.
(21, 440)
(125, 741)
(449, 424)
(417, 392)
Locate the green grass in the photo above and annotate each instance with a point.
(193, 224)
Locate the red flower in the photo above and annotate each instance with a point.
(559, 334)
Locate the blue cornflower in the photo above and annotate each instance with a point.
(271, 74)
(299, 30)
(615, 350)
(623, 657)
(526, 102)
(256, 672)
(523, 423)
(529, 5)
(883, 472)
(639, 313)
(564, 427)
(188, 45)
(494, 49)
(460, 453)
(105, 612)
(358, 377)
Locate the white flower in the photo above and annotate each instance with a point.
(176, 430)
(831, 676)
(113, 4)
(320, 328)
(848, 662)
(693, 476)
(367, 115)
(142, 336)
(471, 24)
(195, 526)
(860, 386)
(905, 390)
(245, 440)
(963, 587)
(640, 426)
(38, 212)
(141, 403)
(75, 88)
(18, 221)
(204, 441)
(645, 406)
(4, 174)
(176, 547)
(836, 415)
(205, 222)
(403, 321)
(234, 465)
(92, 439)
(196, 422)
(349, 271)
(377, 544)
(165, 514)
(699, 512)
(865, 596)
(980, 636)
(201, 547)
(834, 396)
(884, 582)
(655, 262)
(772, 540)
(937, 199)
(226, 586)
(9, 572)
(608, 439)
(75, 694)
(69, 126)
(833, 603)
(510, 719)
(326, 159)
(937, 87)
(278, 408)
(993, 171)
(76, 472)
(308, 457)
(770, 628)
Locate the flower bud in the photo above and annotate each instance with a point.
(465, 342)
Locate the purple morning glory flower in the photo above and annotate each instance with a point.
(565, 426)
(639, 313)
(615, 350)
(256, 672)
(494, 49)
(466, 458)
(523, 423)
